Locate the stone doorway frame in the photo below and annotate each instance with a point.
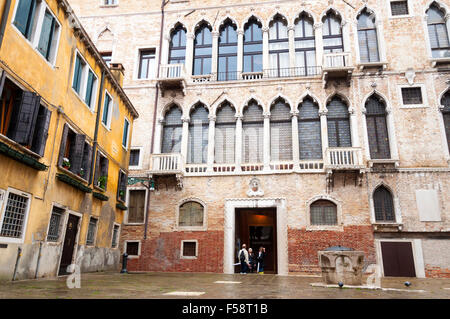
(229, 230)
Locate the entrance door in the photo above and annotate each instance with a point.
(398, 260)
(69, 243)
(256, 228)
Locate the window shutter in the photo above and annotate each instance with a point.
(25, 120)
(338, 123)
(41, 132)
(89, 88)
(48, 26)
(309, 131)
(198, 136)
(87, 161)
(225, 135)
(76, 153)
(171, 142)
(363, 51)
(25, 16)
(104, 169)
(62, 148)
(253, 134)
(281, 132)
(97, 168)
(77, 75)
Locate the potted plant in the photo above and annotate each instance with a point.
(121, 193)
(81, 173)
(101, 182)
(66, 163)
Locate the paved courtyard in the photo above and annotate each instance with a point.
(215, 286)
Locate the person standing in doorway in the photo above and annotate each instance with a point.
(260, 259)
(252, 260)
(243, 258)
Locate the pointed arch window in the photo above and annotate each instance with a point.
(323, 212)
(377, 131)
(253, 42)
(177, 48)
(202, 51)
(438, 32)
(338, 123)
(198, 135)
(332, 33)
(305, 46)
(278, 47)
(280, 131)
(445, 101)
(367, 38)
(172, 130)
(383, 205)
(228, 42)
(309, 130)
(191, 214)
(253, 133)
(225, 134)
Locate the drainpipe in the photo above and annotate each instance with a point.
(163, 3)
(5, 14)
(97, 122)
(19, 254)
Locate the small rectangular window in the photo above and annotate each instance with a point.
(90, 239)
(399, 8)
(146, 64)
(13, 222)
(107, 110)
(189, 249)
(109, 2)
(126, 125)
(115, 236)
(412, 95)
(132, 248)
(134, 157)
(54, 228)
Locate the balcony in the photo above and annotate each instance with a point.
(337, 66)
(166, 164)
(172, 77)
(343, 158)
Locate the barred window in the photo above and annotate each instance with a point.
(14, 216)
(384, 205)
(191, 214)
(198, 135)
(309, 130)
(280, 131)
(225, 134)
(189, 249)
(132, 248)
(90, 239)
(438, 32)
(172, 130)
(253, 133)
(177, 49)
(332, 33)
(445, 101)
(367, 38)
(323, 212)
(54, 228)
(338, 122)
(134, 157)
(115, 236)
(305, 46)
(412, 95)
(377, 131)
(399, 8)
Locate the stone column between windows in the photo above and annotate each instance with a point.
(318, 43)
(354, 127)
(265, 32)
(380, 40)
(189, 53)
(158, 133)
(184, 138)
(211, 142)
(295, 141)
(240, 52)
(391, 133)
(266, 143)
(346, 37)
(447, 22)
(324, 132)
(238, 150)
(215, 54)
(366, 135)
(291, 35)
(165, 50)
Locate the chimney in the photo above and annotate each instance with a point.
(117, 70)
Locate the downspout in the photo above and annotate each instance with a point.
(97, 123)
(163, 3)
(5, 14)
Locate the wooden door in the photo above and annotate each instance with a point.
(398, 259)
(69, 243)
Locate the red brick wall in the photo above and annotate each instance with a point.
(436, 272)
(304, 245)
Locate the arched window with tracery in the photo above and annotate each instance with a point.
(445, 101)
(305, 46)
(438, 32)
(228, 43)
(252, 133)
(338, 123)
(253, 46)
(198, 135)
(309, 130)
(202, 50)
(278, 47)
(191, 214)
(383, 205)
(177, 48)
(367, 38)
(323, 212)
(172, 131)
(280, 131)
(377, 131)
(225, 134)
(332, 33)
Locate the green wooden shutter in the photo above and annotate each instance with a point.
(25, 16)
(62, 148)
(41, 131)
(45, 41)
(77, 74)
(125, 133)
(106, 110)
(97, 168)
(104, 170)
(87, 161)
(89, 88)
(24, 119)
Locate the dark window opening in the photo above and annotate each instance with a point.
(134, 157)
(189, 249)
(412, 95)
(133, 248)
(399, 8)
(384, 205)
(323, 212)
(122, 187)
(101, 171)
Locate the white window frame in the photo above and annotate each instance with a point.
(182, 249)
(41, 7)
(137, 63)
(126, 147)
(21, 239)
(118, 236)
(95, 232)
(128, 203)
(204, 227)
(139, 166)
(139, 248)
(413, 106)
(110, 110)
(84, 79)
(410, 7)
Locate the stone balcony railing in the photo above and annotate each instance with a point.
(337, 65)
(166, 164)
(343, 158)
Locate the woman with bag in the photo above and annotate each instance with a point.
(260, 259)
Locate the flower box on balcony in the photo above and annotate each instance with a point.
(121, 206)
(100, 196)
(73, 182)
(23, 158)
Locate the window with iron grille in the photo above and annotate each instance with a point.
(377, 131)
(253, 133)
(172, 130)
(367, 38)
(399, 8)
(115, 236)
(383, 205)
(136, 206)
(445, 101)
(54, 227)
(305, 46)
(323, 212)
(309, 130)
(189, 249)
(225, 127)
(191, 214)
(132, 248)
(177, 49)
(278, 48)
(134, 157)
(332, 33)
(147, 64)
(338, 122)
(227, 66)
(280, 131)
(92, 228)
(253, 46)
(198, 135)
(202, 51)
(438, 33)
(14, 216)
(412, 95)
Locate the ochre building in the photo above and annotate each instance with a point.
(293, 125)
(65, 137)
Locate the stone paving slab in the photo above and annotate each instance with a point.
(212, 286)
